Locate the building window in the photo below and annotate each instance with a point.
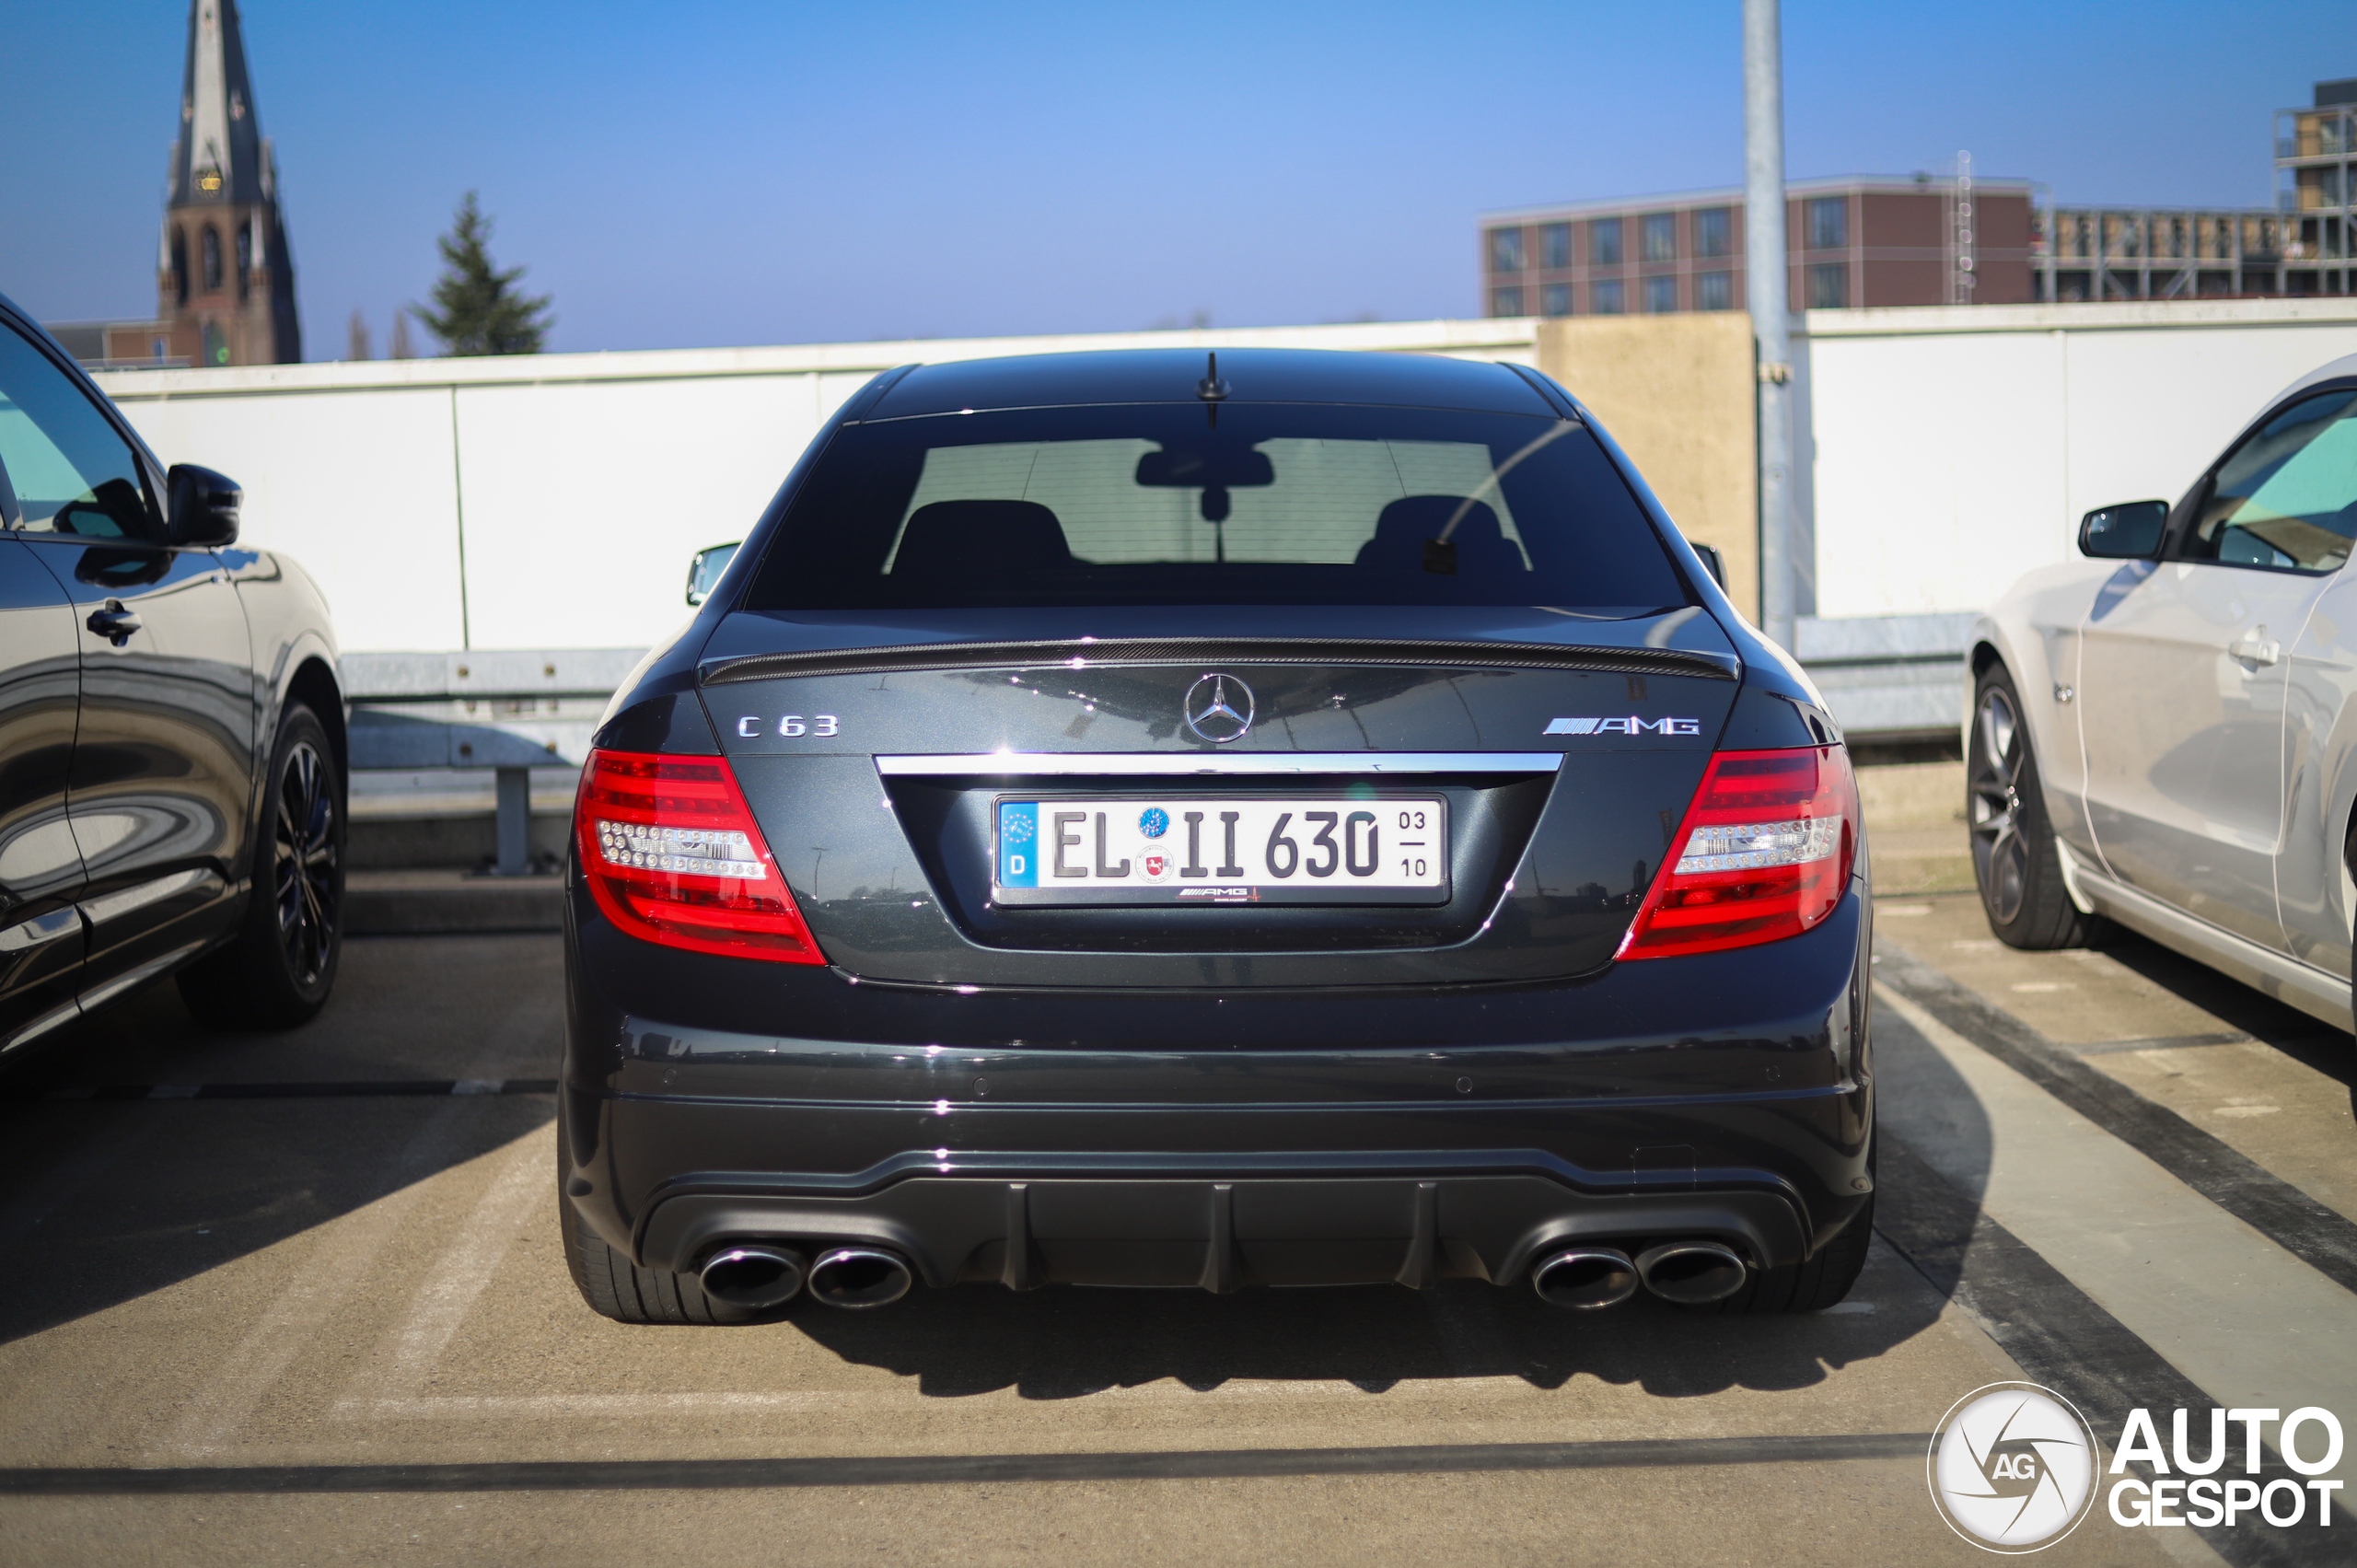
(1604, 297)
(245, 257)
(1505, 249)
(1555, 299)
(1661, 296)
(1505, 302)
(1828, 287)
(1715, 291)
(1659, 237)
(1711, 233)
(179, 266)
(1829, 223)
(1555, 245)
(1604, 242)
(209, 246)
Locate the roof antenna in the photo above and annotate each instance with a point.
(1211, 389)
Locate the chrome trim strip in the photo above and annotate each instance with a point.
(2312, 991)
(65, 1012)
(99, 997)
(1264, 763)
(39, 930)
(113, 906)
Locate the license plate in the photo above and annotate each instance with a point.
(1232, 850)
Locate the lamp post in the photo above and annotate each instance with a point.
(1768, 293)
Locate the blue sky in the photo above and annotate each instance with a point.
(684, 175)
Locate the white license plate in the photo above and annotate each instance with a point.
(1270, 849)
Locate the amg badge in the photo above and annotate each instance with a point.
(1631, 725)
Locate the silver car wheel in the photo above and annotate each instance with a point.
(2000, 853)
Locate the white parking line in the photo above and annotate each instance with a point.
(461, 1271)
(2249, 1323)
(318, 1284)
(1162, 1391)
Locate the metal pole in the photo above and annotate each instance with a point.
(1768, 293)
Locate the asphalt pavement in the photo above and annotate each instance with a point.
(299, 1299)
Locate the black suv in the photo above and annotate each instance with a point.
(171, 733)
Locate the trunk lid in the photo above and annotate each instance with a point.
(1553, 759)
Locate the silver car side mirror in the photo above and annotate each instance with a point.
(2130, 531)
(705, 570)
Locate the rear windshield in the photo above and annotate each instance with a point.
(1158, 504)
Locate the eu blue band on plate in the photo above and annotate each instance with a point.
(1018, 843)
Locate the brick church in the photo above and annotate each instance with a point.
(225, 279)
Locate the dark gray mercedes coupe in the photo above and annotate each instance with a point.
(1277, 818)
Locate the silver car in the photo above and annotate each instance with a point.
(2163, 733)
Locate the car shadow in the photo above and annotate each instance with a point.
(104, 1201)
(2307, 1041)
(106, 1198)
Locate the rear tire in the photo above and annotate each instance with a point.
(277, 971)
(613, 1285)
(1808, 1286)
(2016, 862)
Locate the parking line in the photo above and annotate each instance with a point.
(1163, 1391)
(2321, 1236)
(319, 1283)
(938, 1469)
(2043, 1161)
(463, 1270)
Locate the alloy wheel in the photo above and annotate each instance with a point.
(1999, 853)
(303, 864)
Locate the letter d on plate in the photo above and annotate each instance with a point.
(1018, 843)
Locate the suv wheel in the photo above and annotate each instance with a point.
(2015, 859)
(278, 969)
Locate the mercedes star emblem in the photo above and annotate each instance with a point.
(1219, 708)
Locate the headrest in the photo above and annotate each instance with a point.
(1400, 533)
(987, 539)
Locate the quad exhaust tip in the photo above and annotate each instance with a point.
(858, 1277)
(752, 1278)
(1692, 1273)
(1585, 1278)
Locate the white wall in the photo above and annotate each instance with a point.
(573, 486)
(1956, 448)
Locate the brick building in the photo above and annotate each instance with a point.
(1851, 241)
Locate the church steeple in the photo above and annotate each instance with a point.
(227, 280)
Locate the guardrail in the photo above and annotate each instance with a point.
(1889, 676)
(1886, 678)
(508, 711)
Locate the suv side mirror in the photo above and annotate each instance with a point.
(2130, 531)
(202, 506)
(705, 570)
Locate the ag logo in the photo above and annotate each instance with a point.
(1219, 708)
(2013, 1468)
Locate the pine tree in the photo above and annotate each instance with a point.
(479, 309)
(357, 346)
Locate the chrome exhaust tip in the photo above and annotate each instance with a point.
(1585, 1278)
(1692, 1273)
(752, 1278)
(855, 1277)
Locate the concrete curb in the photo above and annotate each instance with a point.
(380, 903)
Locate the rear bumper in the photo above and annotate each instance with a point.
(1220, 1139)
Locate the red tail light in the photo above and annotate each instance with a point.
(1764, 853)
(673, 855)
